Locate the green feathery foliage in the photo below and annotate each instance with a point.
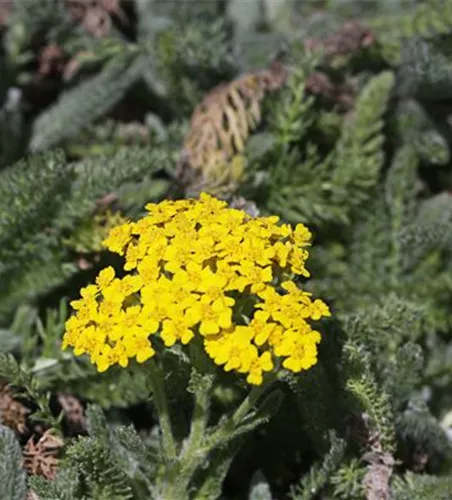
(87, 102)
(347, 481)
(421, 487)
(302, 183)
(27, 21)
(359, 151)
(30, 194)
(29, 387)
(355, 143)
(318, 405)
(320, 474)
(426, 20)
(109, 463)
(192, 57)
(416, 128)
(65, 486)
(393, 263)
(99, 475)
(368, 396)
(416, 426)
(45, 367)
(425, 71)
(43, 200)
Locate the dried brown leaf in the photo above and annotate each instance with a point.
(320, 84)
(95, 15)
(41, 458)
(74, 412)
(97, 22)
(12, 413)
(220, 126)
(346, 42)
(51, 61)
(343, 94)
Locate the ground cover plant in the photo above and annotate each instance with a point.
(225, 250)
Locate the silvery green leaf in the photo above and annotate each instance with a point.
(12, 476)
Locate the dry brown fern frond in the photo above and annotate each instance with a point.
(42, 458)
(219, 128)
(340, 46)
(12, 413)
(74, 413)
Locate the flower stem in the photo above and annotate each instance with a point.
(199, 419)
(223, 430)
(161, 404)
(248, 403)
(193, 454)
(198, 448)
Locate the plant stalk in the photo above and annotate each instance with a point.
(161, 404)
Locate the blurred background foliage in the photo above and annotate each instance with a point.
(337, 114)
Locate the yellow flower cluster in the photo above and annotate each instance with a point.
(199, 268)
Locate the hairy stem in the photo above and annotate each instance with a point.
(199, 446)
(236, 419)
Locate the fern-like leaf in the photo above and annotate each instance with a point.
(368, 395)
(12, 476)
(421, 487)
(320, 474)
(425, 70)
(30, 193)
(85, 103)
(98, 470)
(425, 20)
(65, 486)
(359, 151)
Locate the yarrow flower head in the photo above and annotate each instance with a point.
(198, 269)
